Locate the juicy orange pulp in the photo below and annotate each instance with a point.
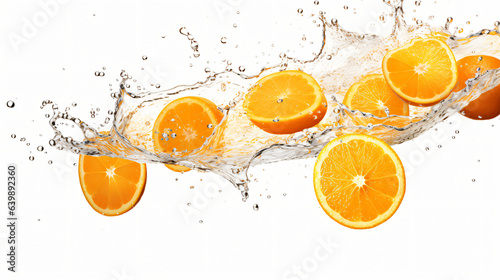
(359, 180)
(184, 125)
(486, 106)
(422, 72)
(112, 186)
(285, 102)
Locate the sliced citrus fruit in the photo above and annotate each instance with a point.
(185, 124)
(422, 72)
(359, 181)
(178, 168)
(285, 102)
(112, 186)
(373, 95)
(486, 106)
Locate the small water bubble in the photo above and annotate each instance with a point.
(382, 18)
(346, 7)
(419, 22)
(144, 57)
(300, 11)
(32, 158)
(172, 120)
(328, 57)
(27, 144)
(242, 68)
(449, 19)
(11, 104)
(40, 148)
(304, 38)
(22, 139)
(457, 132)
(440, 146)
(207, 70)
(235, 25)
(268, 197)
(427, 148)
(210, 125)
(183, 31)
(280, 100)
(52, 142)
(417, 3)
(497, 24)
(157, 86)
(223, 40)
(256, 207)
(277, 119)
(452, 137)
(173, 135)
(316, 2)
(334, 21)
(473, 180)
(49, 162)
(284, 194)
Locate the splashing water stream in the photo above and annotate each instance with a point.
(236, 144)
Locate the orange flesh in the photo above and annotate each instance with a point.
(112, 186)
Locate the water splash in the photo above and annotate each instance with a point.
(236, 144)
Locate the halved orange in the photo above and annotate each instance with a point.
(285, 102)
(373, 95)
(422, 72)
(184, 125)
(486, 106)
(359, 181)
(112, 186)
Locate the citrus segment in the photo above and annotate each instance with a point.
(112, 186)
(285, 102)
(185, 124)
(486, 106)
(359, 181)
(422, 72)
(373, 95)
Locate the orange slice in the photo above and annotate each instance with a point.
(184, 125)
(486, 106)
(359, 181)
(285, 102)
(373, 95)
(422, 72)
(178, 168)
(112, 186)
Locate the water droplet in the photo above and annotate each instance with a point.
(12, 136)
(22, 139)
(473, 180)
(316, 2)
(172, 120)
(235, 25)
(304, 38)
(256, 207)
(382, 18)
(210, 125)
(449, 19)
(284, 194)
(440, 146)
(497, 24)
(201, 221)
(11, 104)
(223, 40)
(417, 3)
(457, 132)
(52, 142)
(144, 57)
(346, 7)
(277, 119)
(427, 148)
(173, 135)
(419, 22)
(279, 100)
(40, 148)
(157, 86)
(32, 158)
(300, 11)
(452, 137)
(268, 197)
(74, 104)
(49, 162)
(242, 68)
(183, 31)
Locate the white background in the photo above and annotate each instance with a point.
(446, 228)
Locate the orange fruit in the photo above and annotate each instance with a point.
(185, 124)
(422, 72)
(486, 106)
(285, 102)
(359, 181)
(178, 168)
(373, 95)
(112, 186)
